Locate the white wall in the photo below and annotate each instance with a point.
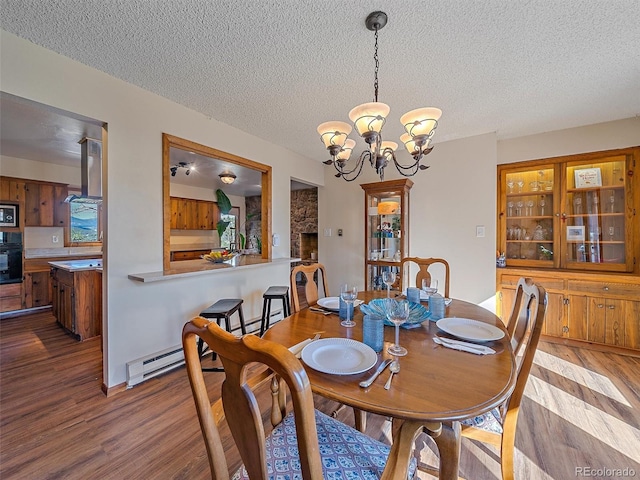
(146, 318)
(447, 201)
(32, 170)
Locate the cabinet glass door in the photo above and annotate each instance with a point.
(529, 227)
(595, 214)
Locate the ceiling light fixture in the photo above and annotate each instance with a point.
(369, 118)
(227, 178)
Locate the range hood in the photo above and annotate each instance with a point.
(91, 172)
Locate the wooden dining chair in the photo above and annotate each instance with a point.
(498, 427)
(424, 264)
(304, 443)
(313, 275)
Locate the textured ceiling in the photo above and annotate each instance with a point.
(277, 69)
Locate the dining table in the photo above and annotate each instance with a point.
(435, 386)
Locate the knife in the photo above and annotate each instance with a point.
(381, 367)
(475, 346)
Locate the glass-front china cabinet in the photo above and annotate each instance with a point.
(572, 224)
(386, 239)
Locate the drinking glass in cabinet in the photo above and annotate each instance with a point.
(541, 204)
(577, 205)
(510, 209)
(519, 206)
(510, 184)
(612, 201)
(520, 184)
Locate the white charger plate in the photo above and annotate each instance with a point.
(468, 329)
(339, 356)
(333, 303)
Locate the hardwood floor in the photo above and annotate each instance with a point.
(582, 409)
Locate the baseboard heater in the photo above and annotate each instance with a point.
(161, 362)
(153, 365)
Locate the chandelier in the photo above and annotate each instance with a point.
(369, 118)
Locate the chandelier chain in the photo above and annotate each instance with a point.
(377, 64)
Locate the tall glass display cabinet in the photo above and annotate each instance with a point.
(386, 242)
(572, 224)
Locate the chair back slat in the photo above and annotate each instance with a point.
(311, 288)
(423, 271)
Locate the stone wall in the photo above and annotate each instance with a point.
(253, 227)
(304, 216)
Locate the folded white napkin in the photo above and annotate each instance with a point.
(297, 348)
(464, 346)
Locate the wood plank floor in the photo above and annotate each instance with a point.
(582, 409)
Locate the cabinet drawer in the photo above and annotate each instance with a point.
(8, 304)
(11, 290)
(628, 290)
(548, 283)
(63, 276)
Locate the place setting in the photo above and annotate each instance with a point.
(472, 335)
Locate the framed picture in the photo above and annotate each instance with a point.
(575, 233)
(588, 177)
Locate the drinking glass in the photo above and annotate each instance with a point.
(510, 184)
(510, 211)
(612, 232)
(612, 201)
(530, 205)
(520, 184)
(519, 206)
(397, 313)
(348, 293)
(542, 203)
(430, 286)
(388, 277)
(578, 205)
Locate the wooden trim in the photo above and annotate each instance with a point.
(111, 391)
(600, 347)
(169, 141)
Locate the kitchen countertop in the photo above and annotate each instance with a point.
(78, 265)
(191, 268)
(30, 253)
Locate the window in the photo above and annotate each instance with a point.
(85, 223)
(229, 237)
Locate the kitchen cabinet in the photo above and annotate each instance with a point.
(10, 297)
(191, 214)
(12, 190)
(44, 204)
(37, 289)
(601, 309)
(77, 300)
(188, 255)
(386, 227)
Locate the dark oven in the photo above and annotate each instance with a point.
(10, 257)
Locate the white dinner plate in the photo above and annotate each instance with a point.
(424, 297)
(339, 356)
(468, 329)
(333, 303)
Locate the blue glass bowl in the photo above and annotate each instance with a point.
(376, 307)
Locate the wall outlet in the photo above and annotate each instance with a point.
(54, 239)
(479, 231)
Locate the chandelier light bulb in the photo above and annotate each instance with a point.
(346, 150)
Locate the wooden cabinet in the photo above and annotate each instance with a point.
(11, 297)
(44, 204)
(599, 309)
(190, 214)
(188, 255)
(37, 289)
(386, 228)
(12, 190)
(576, 212)
(77, 300)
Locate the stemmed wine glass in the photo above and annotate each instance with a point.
(397, 313)
(388, 277)
(348, 293)
(430, 287)
(520, 184)
(612, 232)
(612, 201)
(530, 205)
(542, 203)
(510, 184)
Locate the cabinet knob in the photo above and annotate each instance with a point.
(600, 305)
(565, 329)
(606, 289)
(611, 307)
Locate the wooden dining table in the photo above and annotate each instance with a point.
(436, 385)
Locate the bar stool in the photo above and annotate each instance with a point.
(273, 293)
(221, 310)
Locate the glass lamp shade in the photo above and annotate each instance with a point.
(410, 144)
(387, 144)
(227, 178)
(421, 121)
(334, 133)
(369, 117)
(345, 152)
